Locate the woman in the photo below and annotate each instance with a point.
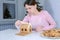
(39, 19)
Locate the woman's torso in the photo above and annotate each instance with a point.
(38, 20)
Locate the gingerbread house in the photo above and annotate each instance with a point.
(25, 28)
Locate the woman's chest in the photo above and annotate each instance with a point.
(37, 19)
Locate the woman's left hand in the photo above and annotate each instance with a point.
(39, 28)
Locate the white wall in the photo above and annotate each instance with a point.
(21, 9)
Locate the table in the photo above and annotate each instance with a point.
(10, 34)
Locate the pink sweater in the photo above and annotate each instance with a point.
(42, 19)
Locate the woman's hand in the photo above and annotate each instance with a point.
(39, 28)
(18, 23)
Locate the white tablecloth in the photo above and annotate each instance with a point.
(10, 34)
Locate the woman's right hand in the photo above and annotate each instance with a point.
(18, 23)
